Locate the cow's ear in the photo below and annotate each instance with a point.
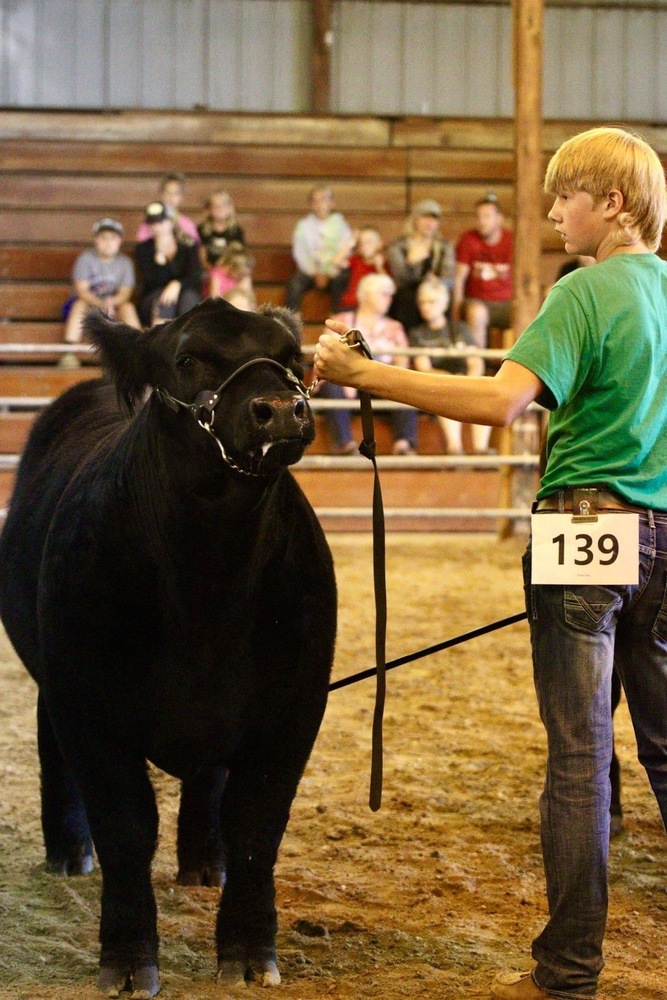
(124, 354)
(286, 317)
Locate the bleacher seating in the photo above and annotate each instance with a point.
(60, 171)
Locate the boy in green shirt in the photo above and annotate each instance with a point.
(596, 356)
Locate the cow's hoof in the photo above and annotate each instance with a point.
(231, 973)
(262, 968)
(210, 875)
(267, 975)
(77, 862)
(115, 979)
(145, 983)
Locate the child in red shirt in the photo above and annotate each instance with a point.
(368, 258)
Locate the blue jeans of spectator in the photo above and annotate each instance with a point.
(338, 421)
(578, 634)
(403, 422)
(300, 283)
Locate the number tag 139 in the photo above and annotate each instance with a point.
(605, 551)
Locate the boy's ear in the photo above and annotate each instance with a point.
(615, 203)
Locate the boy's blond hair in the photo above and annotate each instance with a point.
(433, 284)
(612, 159)
(373, 281)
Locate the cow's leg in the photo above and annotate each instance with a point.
(260, 789)
(69, 846)
(121, 809)
(124, 820)
(615, 809)
(201, 853)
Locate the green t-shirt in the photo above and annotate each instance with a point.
(599, 344)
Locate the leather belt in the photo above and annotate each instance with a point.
(568, 500)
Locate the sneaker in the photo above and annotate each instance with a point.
(403, 447)
(516, 986)
(349, 448)
(68, 360)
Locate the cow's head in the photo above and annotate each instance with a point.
(234, 373)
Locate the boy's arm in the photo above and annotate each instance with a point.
(123, 295)
(83, 291)
(476, 400)
(301, 249)
(460, 277)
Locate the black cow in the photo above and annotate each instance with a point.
(167, 584)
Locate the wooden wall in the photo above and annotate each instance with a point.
(603, 59)
(59, 171)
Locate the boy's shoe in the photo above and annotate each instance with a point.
(516, 986)
(349, 448)
(403, 447)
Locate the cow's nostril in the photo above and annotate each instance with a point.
(300, 408)
(262, 411)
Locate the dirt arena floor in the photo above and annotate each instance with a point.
(427, 897)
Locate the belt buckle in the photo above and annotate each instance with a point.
(584, 505)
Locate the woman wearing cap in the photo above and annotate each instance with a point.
(170, 193)
(169, 268)
(421, 252)
(103, 278)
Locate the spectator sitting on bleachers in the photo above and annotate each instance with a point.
(414, 256)
(102, 278)
(218, 229)
(168, 265)
(232, 269)
(321, 245)
(367, 257)
(483, 284)
(383, 335)
(170, 193)
(436, 331)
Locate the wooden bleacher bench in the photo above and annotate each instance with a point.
(60, 171)
(41, 380)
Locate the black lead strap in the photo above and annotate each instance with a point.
(367, 448)
(429, 650)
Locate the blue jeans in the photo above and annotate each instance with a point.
(578, 634)
(404, 423)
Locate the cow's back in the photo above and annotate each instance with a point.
(62, 438)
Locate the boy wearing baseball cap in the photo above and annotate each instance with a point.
(103, 278)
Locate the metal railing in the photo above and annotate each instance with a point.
(506, 462)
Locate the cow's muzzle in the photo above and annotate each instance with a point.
(282, 426)
(278, 410)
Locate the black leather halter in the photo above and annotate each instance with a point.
(205, 402)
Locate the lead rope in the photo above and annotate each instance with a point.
(354, 338)
(367, 449)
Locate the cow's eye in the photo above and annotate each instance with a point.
(185, 361)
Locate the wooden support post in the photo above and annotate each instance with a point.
(527, 297)
(528, 19)
(506, 524)
(321, 56)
